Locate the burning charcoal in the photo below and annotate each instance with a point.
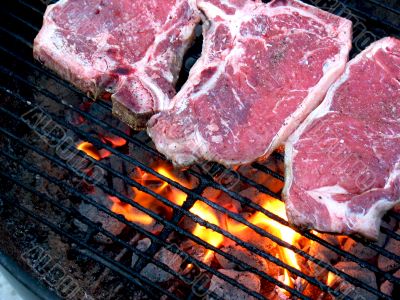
(280, 293)
(155, 274)
(108, 222)
(120, 185)
(248, 235)
(393, 246)
(245, 256)
(387, 286)
(323, 253)
(263, 178)
(362, 274)
(211, 193)
(197, 251)
(142, 245)
(359, 250)
(227, 202)
(253, 194)
(224, 290)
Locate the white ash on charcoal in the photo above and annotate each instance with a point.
(244, 255)
(156, 274)
(224, 290)
(354, 270)
(386, 264)
(387, 287)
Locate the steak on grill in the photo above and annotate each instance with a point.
(131, 49)
(343, 163)
(263, 69)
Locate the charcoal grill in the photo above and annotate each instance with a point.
(36, 214)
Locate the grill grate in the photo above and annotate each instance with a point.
(15, 52)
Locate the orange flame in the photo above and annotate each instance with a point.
(129, 212)
(210, 236)
(287, 279)
(331, 279)
(92, 151)
(146, 200)
(175, 195)
(283, 232)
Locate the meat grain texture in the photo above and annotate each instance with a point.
(131, 49)
(263, 69)
(343, 163)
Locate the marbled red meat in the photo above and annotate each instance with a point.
(263, 69)
(343, 163)
(131, 49)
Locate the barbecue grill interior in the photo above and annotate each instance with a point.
(93, 211)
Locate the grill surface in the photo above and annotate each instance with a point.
(21, 78)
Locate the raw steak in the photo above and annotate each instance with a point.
(263, 69)
(343, 163)
(131, 49)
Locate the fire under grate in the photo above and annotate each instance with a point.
(94, 212)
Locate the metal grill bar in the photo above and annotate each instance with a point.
(385, 6)
(30, 7)
(367, 15)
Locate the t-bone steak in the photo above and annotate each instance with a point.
(131, 49)
(343, 163)
(263, 69)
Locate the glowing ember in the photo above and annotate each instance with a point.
(130, 213)
(92, 151)
(115, 141)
